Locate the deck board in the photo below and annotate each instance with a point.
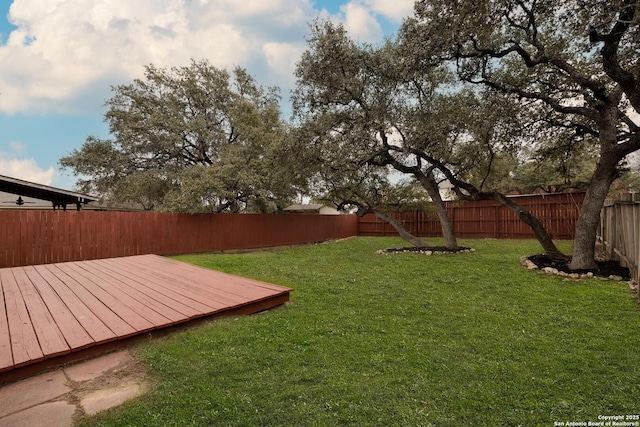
(6, 358)
(142, 286)
(200, 277)
(50, 339)
(24, 343)
(170, 285)
(95, 328)
(154, 309)
(111, 297)
(192, 287)
(105, 313)
(74, 334)
(52, 312)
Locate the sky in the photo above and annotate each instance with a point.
(60, 58)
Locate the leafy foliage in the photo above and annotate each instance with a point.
(353, 109)
(189, 139)
(572, 64)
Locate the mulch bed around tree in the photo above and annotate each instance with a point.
(429, 250)
(605, 268)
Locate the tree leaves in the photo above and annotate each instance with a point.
(189, 139)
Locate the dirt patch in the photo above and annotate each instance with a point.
(425, 250)
(128, 374)
(130, 370)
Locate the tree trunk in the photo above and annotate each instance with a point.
(429, 183)
(540, 232)
(584, 242)
(523, 214)
(415, 241)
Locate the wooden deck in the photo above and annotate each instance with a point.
(54, 311)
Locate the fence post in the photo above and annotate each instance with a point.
(611, 234)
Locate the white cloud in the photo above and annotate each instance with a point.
(394, 10)
(360, 17)
(282, 57)
(65, 54)
(16, 165)
(26, 169)
(361, 23)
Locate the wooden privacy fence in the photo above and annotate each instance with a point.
(487, 218)
(31, 237)
(39, 237)
(620, 231)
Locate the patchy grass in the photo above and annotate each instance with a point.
(402, 339)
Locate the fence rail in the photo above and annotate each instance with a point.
(487, 219)
(39, 237)
(619, 231)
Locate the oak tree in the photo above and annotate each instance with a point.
(353, 106)
(573, 62)
(190, 139)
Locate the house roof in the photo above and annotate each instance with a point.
(11, 201)
(57, 196)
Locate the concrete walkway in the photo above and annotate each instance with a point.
(58, 398)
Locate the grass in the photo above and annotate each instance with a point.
(399, 340)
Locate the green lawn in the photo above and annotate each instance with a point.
(399, 340)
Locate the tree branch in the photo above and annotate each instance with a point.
(610, 60)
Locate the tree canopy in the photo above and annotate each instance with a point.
(353, 110)
(573, 64)
(471, 89)
(189, 139)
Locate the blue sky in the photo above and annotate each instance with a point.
(59, 58)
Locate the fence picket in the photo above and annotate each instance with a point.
(619, 231)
